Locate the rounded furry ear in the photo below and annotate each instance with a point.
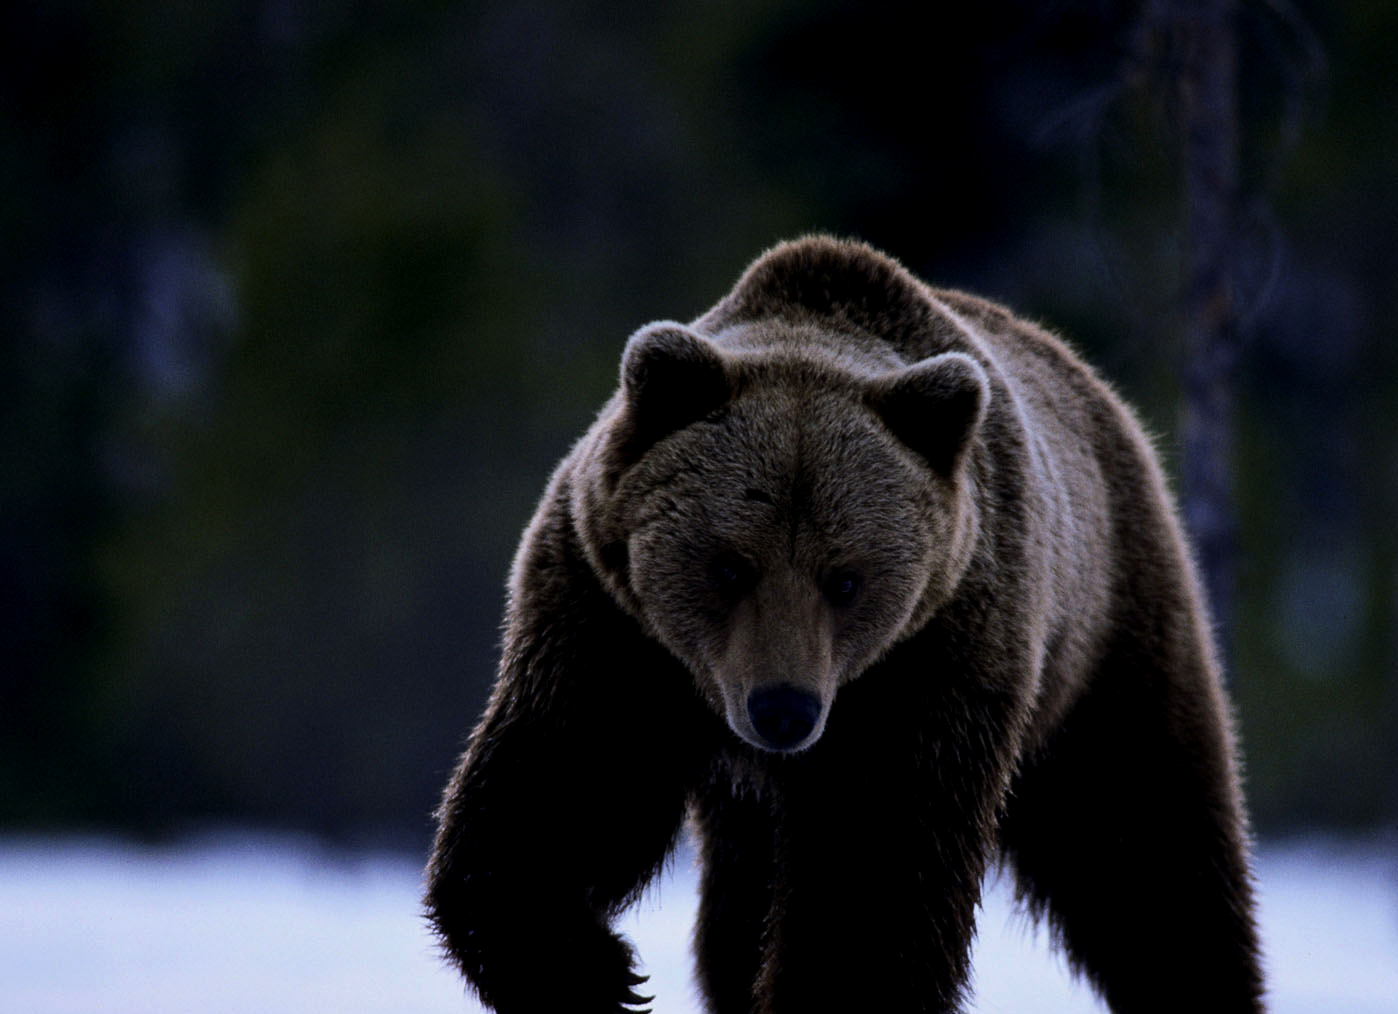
(934, 407)
(670, 377)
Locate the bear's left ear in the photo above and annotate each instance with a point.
(670, 377)
(934, 407)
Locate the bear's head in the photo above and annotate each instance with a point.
(779, 522)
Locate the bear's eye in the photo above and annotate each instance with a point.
(733, 574)
(840, 587)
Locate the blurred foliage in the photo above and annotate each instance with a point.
(301, 302)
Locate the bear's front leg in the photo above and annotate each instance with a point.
(568, 799)
(545, 834)
(875, 905)
(885, 829)
(522, 886)
(736, 834)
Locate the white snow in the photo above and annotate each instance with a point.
(264, 924)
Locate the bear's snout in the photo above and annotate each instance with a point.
(783, 716)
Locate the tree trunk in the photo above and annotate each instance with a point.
(1208, 85)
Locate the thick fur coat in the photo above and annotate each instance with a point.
(879, 585)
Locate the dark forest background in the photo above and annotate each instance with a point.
(300, 302)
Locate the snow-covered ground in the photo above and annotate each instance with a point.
(260, 924)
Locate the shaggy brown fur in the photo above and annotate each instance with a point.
(879, 584)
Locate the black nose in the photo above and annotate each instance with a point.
(783, 716)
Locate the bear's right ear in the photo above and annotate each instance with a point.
(934, 406)
(670, 377)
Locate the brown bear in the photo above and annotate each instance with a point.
(879, 586)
